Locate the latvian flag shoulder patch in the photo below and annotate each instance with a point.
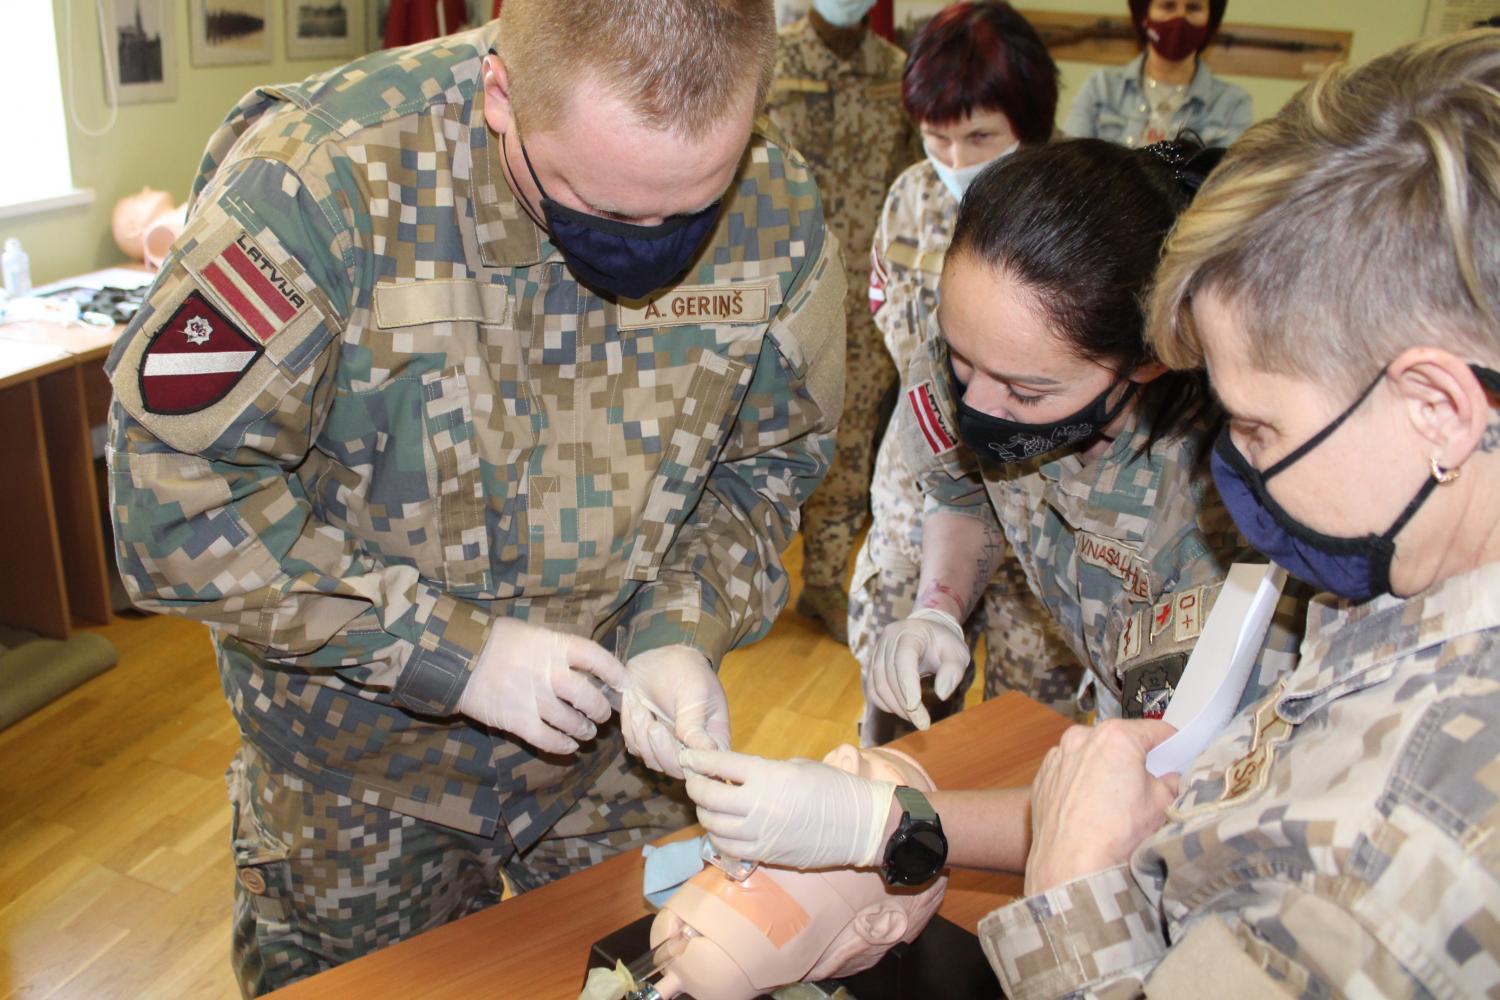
(194, 359)
(931, 419)
(254, 287)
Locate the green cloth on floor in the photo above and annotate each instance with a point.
(35, 671)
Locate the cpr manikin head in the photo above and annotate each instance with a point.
(739, 940)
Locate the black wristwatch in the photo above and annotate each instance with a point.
(917, 850)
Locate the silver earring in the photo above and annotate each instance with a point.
(1441, 474)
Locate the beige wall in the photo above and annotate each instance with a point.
(160, 144)
(151, 144)
(1378, 26)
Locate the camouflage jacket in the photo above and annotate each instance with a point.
(1338, 839)
(906, 263)
(845, 118)
(1126, 552)
(366, 410)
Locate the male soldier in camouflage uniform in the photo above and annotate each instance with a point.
(837, 97)
(410, 420)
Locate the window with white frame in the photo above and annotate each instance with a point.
(34, 169)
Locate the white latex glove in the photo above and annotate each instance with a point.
(799, 813)
(672, 699)
(540, 685)
(929, 642)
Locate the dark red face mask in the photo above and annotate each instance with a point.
(1175, 39)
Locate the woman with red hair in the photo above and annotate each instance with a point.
(1167, 89)
(979, 84)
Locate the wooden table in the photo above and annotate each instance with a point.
(52, 557)
(535, 945)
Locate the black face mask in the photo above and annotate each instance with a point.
(625, 260)
(1007, 441)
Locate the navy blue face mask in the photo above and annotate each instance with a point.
(1356, 569)
(625, 260)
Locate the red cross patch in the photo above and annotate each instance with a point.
(194, 359)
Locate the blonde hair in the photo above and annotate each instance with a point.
(682, 65)
(1362, 220)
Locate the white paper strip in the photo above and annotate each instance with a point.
(1220, 665)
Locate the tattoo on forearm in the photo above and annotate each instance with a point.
(931, 594)
(939, 592)
(990, 555)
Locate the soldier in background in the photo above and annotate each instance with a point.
(487, 373)
(837, 98)
(979, 84)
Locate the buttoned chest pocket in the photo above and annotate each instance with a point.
(397, 468)
(804, 110)
(711, 391)
(879, 123)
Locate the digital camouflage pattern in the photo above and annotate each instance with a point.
(1337, 839)
(1114, 549)
(845, 118)
(321, 878)
(432, 425)
(1023, 651)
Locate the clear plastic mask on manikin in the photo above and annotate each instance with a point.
(957, 181)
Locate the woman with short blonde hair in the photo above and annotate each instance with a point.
(1339, 275)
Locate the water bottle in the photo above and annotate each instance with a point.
(17, 268)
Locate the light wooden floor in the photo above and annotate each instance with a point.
(115, 877)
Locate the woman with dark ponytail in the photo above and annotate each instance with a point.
(1091, 454)
(1051, 432)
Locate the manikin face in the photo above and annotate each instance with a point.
(600, 159)
(781, 926)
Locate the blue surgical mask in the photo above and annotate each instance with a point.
(958, 181)
(625, 260)
(1356, 569)
(843, 13)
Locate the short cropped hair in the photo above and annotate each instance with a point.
(1140, 8)
(1362, 220)
(682, 65)
(981, 56)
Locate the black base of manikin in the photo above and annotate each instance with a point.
(945, 961)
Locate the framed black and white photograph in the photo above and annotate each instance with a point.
(321, 29)
(226, 32)
(144, 58)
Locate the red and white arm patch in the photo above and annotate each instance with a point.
(877, 282)
(931, 419)
(253, 287)
(194, 359)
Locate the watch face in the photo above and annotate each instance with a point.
(919, 856)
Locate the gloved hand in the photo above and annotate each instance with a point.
(800, 813)
(672, 699)
(929, 641)
(540, 685)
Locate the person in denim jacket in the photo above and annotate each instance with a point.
(1167, 89)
